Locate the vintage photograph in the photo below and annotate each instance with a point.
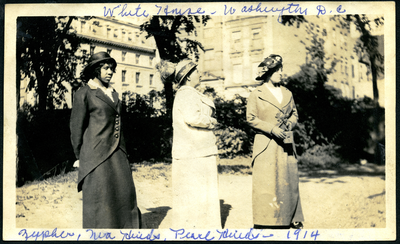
(243, 119)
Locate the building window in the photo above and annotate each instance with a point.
(116, 33)
(237, 73)
(123, 56)
(108, 32)
(137, 57)
(354, 92)
(130, 36)
(256, 33)
(151, 80)
(254, 71)
(236, 36)
(352, 70)
(345, 69)
(151, 61)
(137, 77)
(83, 26)
(123, 36)
(92, 50)
(236, 41)
(123, 75)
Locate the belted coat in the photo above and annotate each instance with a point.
(276, 199)
(101, 131)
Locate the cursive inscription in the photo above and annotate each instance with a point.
(44, 234)
(139, 236)
(182, 234)
(229, 234)
(292, 8)
(138, 12)
(100, 235)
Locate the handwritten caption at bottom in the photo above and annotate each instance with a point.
(171, 234)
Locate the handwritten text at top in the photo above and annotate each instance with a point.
(260, 8)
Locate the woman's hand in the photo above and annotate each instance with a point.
(213, 124)
(289, 125)
(278, 132)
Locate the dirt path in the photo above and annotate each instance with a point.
(329, 201)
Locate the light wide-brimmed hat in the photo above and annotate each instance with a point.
(97, 58)
(183, 69)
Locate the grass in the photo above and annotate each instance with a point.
(356, 195)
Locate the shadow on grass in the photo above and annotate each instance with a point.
(225, 208)
(377, 195)
(233, 169)
(154, 218)
(341, 170)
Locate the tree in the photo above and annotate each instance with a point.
(45, 55)
(346, 124)
(167, 31)
(367, 47)
(368, 53)
(46, 49)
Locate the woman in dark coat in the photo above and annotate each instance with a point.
(105, 176)
(271, 111)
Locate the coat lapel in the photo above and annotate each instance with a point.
(286, 96)
(207, 101)
(100, 94)
(116, 100)
(266, 95)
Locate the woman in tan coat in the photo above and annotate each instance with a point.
(271, 111)
(194, 155)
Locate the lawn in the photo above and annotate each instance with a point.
(352, 196)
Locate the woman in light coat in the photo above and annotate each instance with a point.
(105, 176)
(194, 152)
(271, 111)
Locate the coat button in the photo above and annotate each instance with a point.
(116, 135)
(117, 128)
(117, 122)
(117, 116)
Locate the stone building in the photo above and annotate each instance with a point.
(136, 56)
(235, 45)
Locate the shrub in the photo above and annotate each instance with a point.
(319, 156)
(232, 142)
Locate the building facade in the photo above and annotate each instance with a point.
(135, 55)
(235, 45)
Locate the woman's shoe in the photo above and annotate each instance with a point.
(296, 225)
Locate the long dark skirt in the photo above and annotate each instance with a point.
(109, 195)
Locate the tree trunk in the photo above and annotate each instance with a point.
(169, 98)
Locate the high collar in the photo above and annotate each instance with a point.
(186, 87)
(94, 85)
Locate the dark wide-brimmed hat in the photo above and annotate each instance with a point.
(272, 63)
(96, 59)
(182, 69)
